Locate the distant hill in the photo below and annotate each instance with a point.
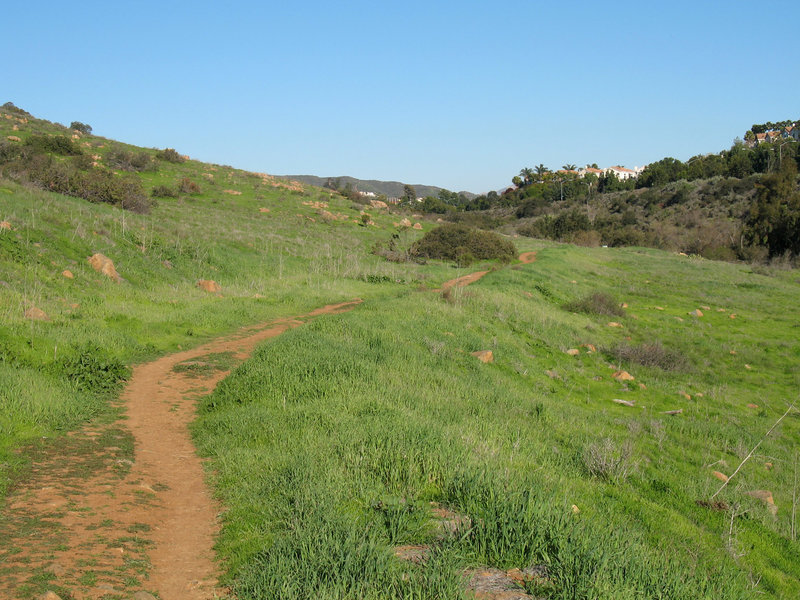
(390, 189)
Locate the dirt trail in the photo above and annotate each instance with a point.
(465, 280)
(123, 507)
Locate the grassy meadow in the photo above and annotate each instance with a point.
(341, 440)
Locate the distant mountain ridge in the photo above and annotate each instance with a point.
(390, 189)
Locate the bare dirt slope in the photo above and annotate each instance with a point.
(122, 507)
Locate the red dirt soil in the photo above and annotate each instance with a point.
(91, 524)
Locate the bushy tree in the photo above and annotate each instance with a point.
(82, 127)
(774, 219)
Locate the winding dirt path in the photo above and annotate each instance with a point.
(122, 507)
(465, 280)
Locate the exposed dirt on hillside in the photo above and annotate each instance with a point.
(465, 280)
(122, 506)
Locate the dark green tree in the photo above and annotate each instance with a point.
(409, 193)
(774, 219)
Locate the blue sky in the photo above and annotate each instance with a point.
(460, 95)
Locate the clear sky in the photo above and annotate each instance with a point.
(456, 94)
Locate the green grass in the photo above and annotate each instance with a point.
(329, 445)
(386, 403)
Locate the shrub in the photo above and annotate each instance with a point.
(597, 303)
(129, 161)
(82, 127)
(607, 460)
(462, 243)
(164, 191)
(650, 355)
(91, 369)
(187, 186)
(57, 144)
(170, 155)
(10, 107)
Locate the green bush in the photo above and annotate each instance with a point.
(170, 155)
(57, 144)
(597, 303)
(164, 191)
(463, 244)
(91, 369)
(82, 127)
(129, 161)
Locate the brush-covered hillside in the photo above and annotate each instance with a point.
(384, 453)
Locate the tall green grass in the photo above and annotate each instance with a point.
(384, 407)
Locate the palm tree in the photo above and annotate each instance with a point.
(527, 175)
(542, 171)
(568, 167)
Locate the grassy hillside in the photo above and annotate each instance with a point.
(329, 447)
(274, 247)
(392, 412)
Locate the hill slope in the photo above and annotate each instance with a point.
(390, 189)
(331, 444)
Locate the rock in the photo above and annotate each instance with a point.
(768, 466)
(405, 223)
(733, 352)
(142, 595)
(49, 596)
(630, 403)
(416, 554)
(104, 265)
(659, 307)
(685, 395)
(623, 376)
(722, 310)
(263, 210)
(378, 204)
(417, 226)
(14, 138)
(167, 264)
(36, 314)
(209, 285)
(677, 411)
(485, 356)
(624, 305)
(232, 192)
(732, 316)
(589, 348)
(5, 225)
(766, 497)
(679, 319)
(575, 510)
(706, 307)
(748, 367)
(552, 374)
(699, 395)
(642, 386)
(573, 352)
(696, 313)
(721, 476)
(493, 584)
(68, 274)
(614, 324)
(751, 405)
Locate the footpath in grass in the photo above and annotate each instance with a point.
(121, 506)
(372, 455)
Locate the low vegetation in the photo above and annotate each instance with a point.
(464, 245)
(352, 435)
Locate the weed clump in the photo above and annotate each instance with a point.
(463, 244)
(607, 460)
(92, 370)
(597, 303)
(650, 355)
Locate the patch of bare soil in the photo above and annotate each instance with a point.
(527, 257)
(121, 507)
